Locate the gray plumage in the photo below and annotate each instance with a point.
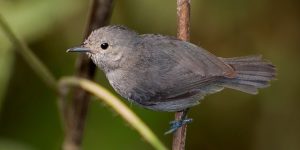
(166, 74)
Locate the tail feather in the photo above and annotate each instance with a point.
(252, 73)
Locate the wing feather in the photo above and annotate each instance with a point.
(181, 69)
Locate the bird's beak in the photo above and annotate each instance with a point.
(79, 49)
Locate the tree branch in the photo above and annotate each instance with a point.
(75, 113)
(183, 33)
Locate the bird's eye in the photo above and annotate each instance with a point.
(104, 45)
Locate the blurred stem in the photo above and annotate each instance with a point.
(117, 105)
(33, 61)
(183, 33)
(74, 113)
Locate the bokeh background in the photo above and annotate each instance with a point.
(29, 118)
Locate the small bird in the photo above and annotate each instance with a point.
(164, 73)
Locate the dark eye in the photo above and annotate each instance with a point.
(104, 45)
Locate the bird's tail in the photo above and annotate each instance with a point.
(252, 73)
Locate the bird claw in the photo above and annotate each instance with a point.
(177, 124)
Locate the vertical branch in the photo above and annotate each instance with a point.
(75, 113)
(183, 19)
(183, 33)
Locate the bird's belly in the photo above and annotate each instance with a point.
(125, 85)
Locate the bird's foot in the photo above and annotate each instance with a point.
(176, 124)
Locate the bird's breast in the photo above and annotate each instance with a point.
(131, 85)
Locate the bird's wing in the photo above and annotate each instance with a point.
(181, 69)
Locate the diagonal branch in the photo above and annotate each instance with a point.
(33, 61)
(117, 105)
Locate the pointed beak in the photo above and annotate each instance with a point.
(79, 49)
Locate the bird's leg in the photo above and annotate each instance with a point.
(175, 124)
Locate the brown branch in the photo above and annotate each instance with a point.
(183, 19)
(74, 114)
(183, 33)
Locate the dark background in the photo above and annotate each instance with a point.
(29, 118)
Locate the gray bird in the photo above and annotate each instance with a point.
(167, 74)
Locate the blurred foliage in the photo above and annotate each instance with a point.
(6, 60)
(13, 145)
(29, 117)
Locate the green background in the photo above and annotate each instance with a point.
(29, 118)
